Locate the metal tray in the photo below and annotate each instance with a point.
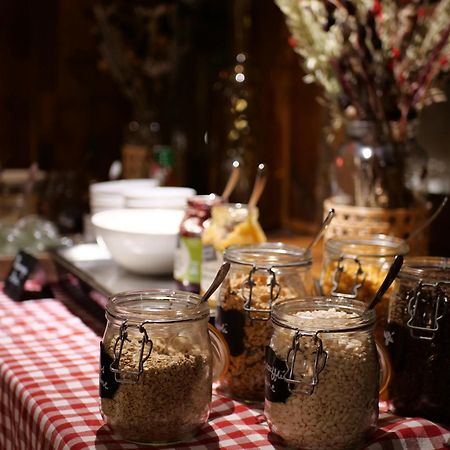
(90, 276)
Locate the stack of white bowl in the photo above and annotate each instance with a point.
(137, 193)
(111, 194)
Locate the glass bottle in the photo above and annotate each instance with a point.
(157, 361)
(322, 373)
(231, 224)
(417, 338)
(259, 276)
(355, 268)
(188, 256)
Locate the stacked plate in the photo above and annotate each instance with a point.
(136, 193)
(111, 194)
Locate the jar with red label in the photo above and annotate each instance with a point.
(188, 254)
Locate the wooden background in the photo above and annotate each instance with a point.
(58, 108)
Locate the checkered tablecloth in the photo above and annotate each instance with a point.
(49, 392)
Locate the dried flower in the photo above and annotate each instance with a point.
(379, 57)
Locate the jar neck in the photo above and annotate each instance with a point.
(426, 269)
(157, 306)
(201, 205)
(233, 212)
(375, 246)
(348, 315)
(372, 132)
(268, 255)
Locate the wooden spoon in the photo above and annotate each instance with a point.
(258, 187)
(232, 181)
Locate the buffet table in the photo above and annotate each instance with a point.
(49, 352)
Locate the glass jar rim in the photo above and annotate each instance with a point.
(205, 201)
(157, 306)
(426, 268)
(354, 246)
(285, 313)
(264, 255)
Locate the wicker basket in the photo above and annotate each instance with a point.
(357, 221)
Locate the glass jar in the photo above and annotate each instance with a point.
(355, 268)
(157, 362)
(188, 254)
(259, 275)
(417, 338)
(231, 224)
(380, 167)
(322, 373)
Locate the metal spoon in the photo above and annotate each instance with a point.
(258, 187)
(322, 228)
(388, 280)
(232, 181)
(428, 221)
(220, 276)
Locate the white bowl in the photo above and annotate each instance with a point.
(140, 240)
(158, 197)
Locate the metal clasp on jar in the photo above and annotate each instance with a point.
(358, 279)
(309, 359)
(248, 294)
(124, 375)
(427, 304)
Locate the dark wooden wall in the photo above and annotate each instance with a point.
(58, 108)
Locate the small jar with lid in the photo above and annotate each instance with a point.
(259, 276)
(417, 338)
(157, 362)
(188, 254)
(231, 224)
(356, 267)
(322, 373)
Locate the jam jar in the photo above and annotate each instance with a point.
(417, 338)
(322, 373)
(158, 358)
(231, 224)
(355, 268)
(259, 276)
(188, 254)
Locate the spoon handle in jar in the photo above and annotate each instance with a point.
(388, 280)
(220, 276)
(232, 181)
(258, 187)
(322, 228)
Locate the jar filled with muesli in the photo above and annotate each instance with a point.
(417, 338)
(356, 267)
(322, 373)
(157, 361)
(259, 276)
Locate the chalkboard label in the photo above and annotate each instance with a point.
(107, 382)
(231, 323)
(276, 388)
(22, 267)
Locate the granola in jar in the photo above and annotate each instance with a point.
(260, 275)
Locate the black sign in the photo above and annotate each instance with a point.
(107, 382)
(276, 388)
(231, 323)
(22, 267)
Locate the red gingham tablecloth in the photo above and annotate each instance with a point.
(49, 392)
